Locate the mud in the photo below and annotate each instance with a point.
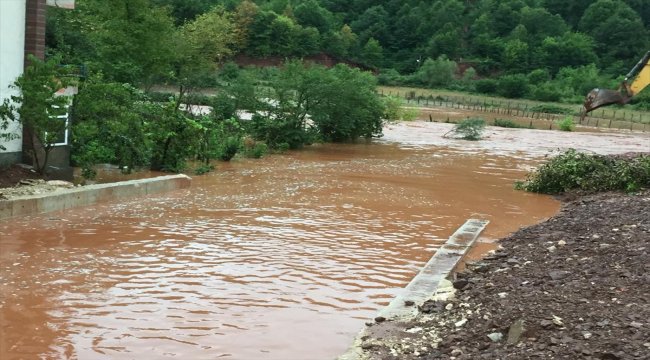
(280, 258)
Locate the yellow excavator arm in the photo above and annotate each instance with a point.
(640, 76)
(642, 73)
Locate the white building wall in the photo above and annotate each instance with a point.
(12, 53)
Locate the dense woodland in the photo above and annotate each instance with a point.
(545, 49)
(121, 50)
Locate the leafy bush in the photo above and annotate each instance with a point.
(566, 124)
(203, 169)
(548, 91)
(393, 109)
(486, 86)
(573, 170)
(390, 77)
(435, 73)
(230, 148)
(469, 129)
(505, 123)
(513, 86)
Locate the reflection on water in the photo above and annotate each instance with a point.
(279, 258)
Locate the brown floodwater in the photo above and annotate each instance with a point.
(284, 257)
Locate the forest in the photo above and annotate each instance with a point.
(548, 50)
(123, 52)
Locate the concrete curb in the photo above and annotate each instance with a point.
(89, 195)
(431, 282)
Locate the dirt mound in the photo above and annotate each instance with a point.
(12, 175)
(575, 286)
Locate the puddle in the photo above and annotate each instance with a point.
(280, 258)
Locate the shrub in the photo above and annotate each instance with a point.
(393, 110)
(513, 86)
(573, 170)
(505, 123)
(486, 86)
(566, 124)
(254, 149)
(203, 169)
(230, 148)
(470, 129)
(548, 91)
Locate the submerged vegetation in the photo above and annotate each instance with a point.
(574, 170)
(469, 129)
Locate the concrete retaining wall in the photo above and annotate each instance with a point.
(430, 283)
(89, 195)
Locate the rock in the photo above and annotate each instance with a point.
(414, 330)
(460, 284)
(561, 243)
(495, 336)
(635, 324)
(409, 302)
(502, 295)
(546, 323)
(551, 248)
(456, 352)
(557, 321)
(60, 183)
(380, 319)
(558, 274)
(460, 323)
(515, 332)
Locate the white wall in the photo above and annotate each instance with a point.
(12, 53)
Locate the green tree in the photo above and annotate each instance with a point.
(38, 108)
(437, 73)
(570, 49)
(619, 32)
(132, 40)
(311, 14)
(108, 126)
(372, 53)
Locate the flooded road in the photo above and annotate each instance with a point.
(280, 258)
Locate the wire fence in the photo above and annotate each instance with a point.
(616, 119)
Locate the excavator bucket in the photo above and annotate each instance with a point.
(601, 97)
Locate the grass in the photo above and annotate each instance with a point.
(612, 112)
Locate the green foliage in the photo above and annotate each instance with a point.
(108, 127)
(394, 109)
(203, 169)
(505, 123)
(437, 73)
(573, 170)
(130, 40)
(566, 124)
(470, 129)
(37, 107)
(255, 149)
(512, 86)
(230, 148)
(304, 104)
(486, 86)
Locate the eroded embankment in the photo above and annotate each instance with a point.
(574, 286)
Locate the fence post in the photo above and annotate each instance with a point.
(610, 123)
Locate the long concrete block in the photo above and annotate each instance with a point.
(89, 195)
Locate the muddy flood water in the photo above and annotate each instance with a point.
(280, 258)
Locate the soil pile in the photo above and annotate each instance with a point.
(19, 180)
(575, 286)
